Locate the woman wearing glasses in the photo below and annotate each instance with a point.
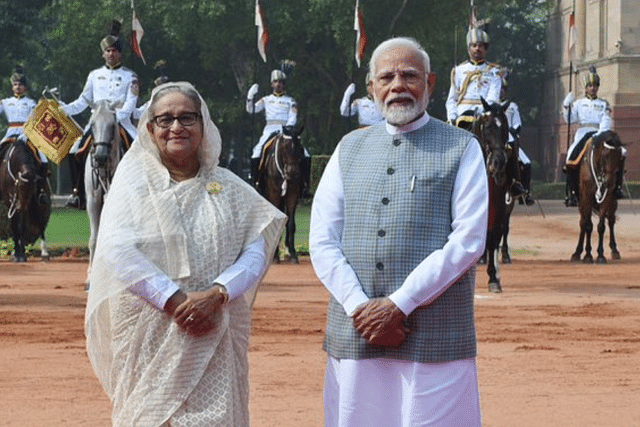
(182, 246)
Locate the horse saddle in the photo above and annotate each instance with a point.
(85, 144)
(574, 163)
(266, 148)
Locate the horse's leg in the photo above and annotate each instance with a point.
(612, 236)
(483, 258)
(492, 270)
(17, 225)
(291, 229)
(575, 257)
(504, 248)
(601, 229)
(93, 206)
(44, 253)
(588, 229)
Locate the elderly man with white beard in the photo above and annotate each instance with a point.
(398, 222)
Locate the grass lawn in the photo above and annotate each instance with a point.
(69, 228)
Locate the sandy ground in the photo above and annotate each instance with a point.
(559, 347)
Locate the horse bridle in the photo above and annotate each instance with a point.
(279, 168)
(599, 176)
(16, 180)
(102, 180)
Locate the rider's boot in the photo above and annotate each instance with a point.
(526, 183)
(77, 200)
(572, 187)
(619, 177)
(305, 169)
(255, 163)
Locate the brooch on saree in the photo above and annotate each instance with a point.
(214, 187)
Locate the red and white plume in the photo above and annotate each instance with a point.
(572, 35)
(136, 35)
(361, 36)
(263, 32)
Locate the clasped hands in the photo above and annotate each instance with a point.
(380, 322)
(196, 312)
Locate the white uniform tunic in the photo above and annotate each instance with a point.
(514, 120)
(112, 84)
(279, 110)
(17, 111)
(593, 115)
(365, 108)
(469, 82)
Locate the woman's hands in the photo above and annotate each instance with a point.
(196, 312)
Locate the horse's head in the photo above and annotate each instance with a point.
(290, 152)
(104, 128)
(491, 127)
(20, 176)
(605, 159)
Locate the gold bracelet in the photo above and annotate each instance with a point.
(224, 292)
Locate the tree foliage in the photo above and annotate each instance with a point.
(213, 45)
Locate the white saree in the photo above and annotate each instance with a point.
(153, 371)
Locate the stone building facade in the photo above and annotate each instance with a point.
(608, 38)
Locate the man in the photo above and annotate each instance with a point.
(114, 83)
(515, 126)
(398, 222)
(593, 115)
(364, 107)
(279, 109)
(474, 79)
(17, 110)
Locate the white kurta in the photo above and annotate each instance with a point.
(354, 395)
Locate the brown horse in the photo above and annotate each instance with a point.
(26, 192)
(598, 168)
(492, 130)
(281, 182)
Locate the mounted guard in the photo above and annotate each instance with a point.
(471, 81)
(593, 116)
(280, 110)
(365, 108)
(112, 82)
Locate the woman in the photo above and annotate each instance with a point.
(181, 247)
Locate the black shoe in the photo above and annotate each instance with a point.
(571, 201)
(517, 190)
(619, 193)
(529, 200)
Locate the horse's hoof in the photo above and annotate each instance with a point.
(615, 255)
(575, 257)
(495, 288)
(293, 261)
(506, 259)
(601, 260)
(588, 259)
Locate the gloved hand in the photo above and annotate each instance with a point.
(568, 100)
(351, 89)
(253, 90)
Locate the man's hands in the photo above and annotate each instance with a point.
(196, 312)
(381, 322)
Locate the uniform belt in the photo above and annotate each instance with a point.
(16, 124)
(276, 122)
(590, 124)
(470, 101)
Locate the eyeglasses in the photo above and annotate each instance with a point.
(185, 119)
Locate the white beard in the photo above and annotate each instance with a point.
(398, 115)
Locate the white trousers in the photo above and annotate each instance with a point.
(393, 393)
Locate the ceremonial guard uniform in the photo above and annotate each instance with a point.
(280, 110)
(593, 115)
(475, 79)
(365, 107)
(17, 110)
(111, 82)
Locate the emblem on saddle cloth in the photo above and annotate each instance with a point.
(49, 129)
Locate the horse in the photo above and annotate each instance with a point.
(104, 155)
(598, 168)
(26, 192)
(492, 130)
(282, 179)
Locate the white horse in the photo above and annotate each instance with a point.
(104, 155)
